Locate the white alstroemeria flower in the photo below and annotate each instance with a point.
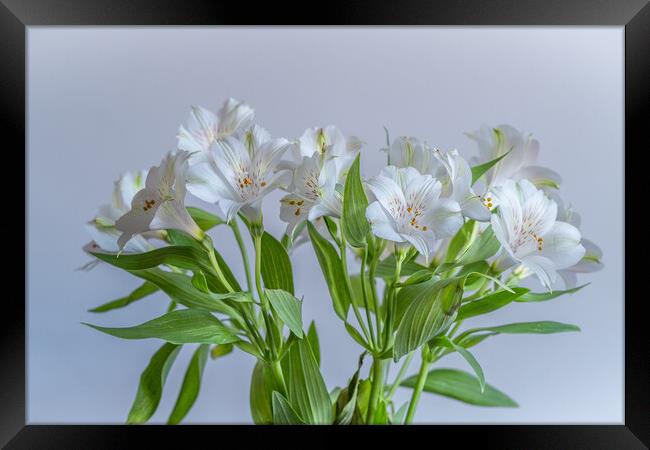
(519, 164)
(161, 204)
(525, 224)
(313, 192)
(591, 261)
(203, 127)
(238, 175)
(409, 209)
(406, 151)
(102, 227)
(330, 144)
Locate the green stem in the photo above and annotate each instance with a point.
(400, 375)
(244, 253)
(207, 243)
(376, 389)
(277, 372)
(266, 309)
(362, 274)
(419, 385)
(390, 307)
(373, 290)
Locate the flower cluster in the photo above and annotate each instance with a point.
(462, 230)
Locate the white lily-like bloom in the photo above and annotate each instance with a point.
(591, 261)
(406, 151)
(313, 192)
(161, 204)
(330, 144)
(409, 209)
(102, 227)
(237, 174)
(203, 127)
(520, 162)
(526, 225)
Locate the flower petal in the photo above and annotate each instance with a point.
(382, 223)
(562, 245)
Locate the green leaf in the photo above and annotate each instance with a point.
(431, 307)
(330, 264)
(204, 219)
(221, 350)
(288, 307)
(283, 412)
(356, 335)
(262, 386)
(386, 268)
(543, 296)
(181, 289)
(306, 389)
(191, 385)
(312, 337)
(484, 247)
(347, 401)
(189, 257)
(151, 384)
(489, 303)
(140, 292)
(542, 327)
(461, 240)
(354, 224)
(478, 370)
(400, 415)
(461, 386)
(479, 171)
(183, 326)
(276, 265)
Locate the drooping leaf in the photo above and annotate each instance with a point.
(354, 224)
(151, 384)
(187, 257)
(307, 392)
(431, 307)
(288, 307)
(262, 386)
(191, 385)
(140, 292)
(489, 303)
(471, 360)
(204, 219)
(479, 171)
(283, 412)
(544, 296)
(184, 326)
(220, 350)
(312, 337)
(276, 265)
(354, 333)
(330, 264)
(461, 386)
(541, 327)
(181, 289)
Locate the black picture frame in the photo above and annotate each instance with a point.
(16, 15)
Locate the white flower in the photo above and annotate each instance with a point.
(313, 192)
(525, 224)
(161, 204)
(519, 164)
(406, 151)
(330, 144)
(591, 261)
(203, 127)
(102, 227)
(238, 175)
(409, 209)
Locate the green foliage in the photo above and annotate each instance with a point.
(489, 303)
(481, 169)
(312, 337)
(204, 219)
(354, 224)
(283, 412)
(276, 265)
(183, 326)
(461, 386)
(330, 264)
(288, 308)
(142, 291)
(191, 385)
(544, 296)
(262, 386)
(151, 384)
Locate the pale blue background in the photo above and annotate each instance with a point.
(106, 100)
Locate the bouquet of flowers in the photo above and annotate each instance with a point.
(438, 239)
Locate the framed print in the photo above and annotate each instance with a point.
(379, 215)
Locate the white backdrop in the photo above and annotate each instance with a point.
(106, 100)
